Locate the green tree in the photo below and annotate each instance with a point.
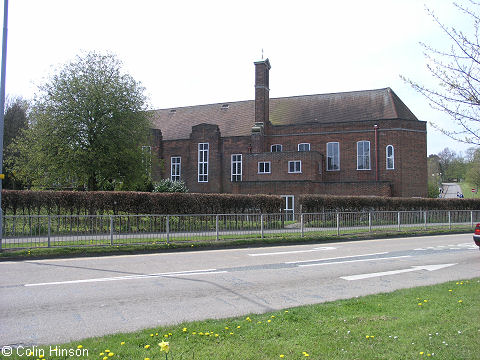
(88, 125)
(473, 172)
(456, 70)
(15, 121)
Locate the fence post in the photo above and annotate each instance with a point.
(338, 223)
(216, 226)
(49, 229)
(167, 229)
(261, 226)
(449, 220)
(369, 221)
(425, 219)
(471, 219)
(111, 230)
(398, 216)
(301, 223)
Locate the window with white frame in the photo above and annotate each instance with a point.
(363, 155)
(333, 156)
(390, 152)
(295, 166)
(203, 162)
(264, 167)
(175, 168)
(276, 148)
(304, 147)
(236, 167)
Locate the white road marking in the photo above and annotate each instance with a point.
(294, 251)
(333, 258)
(132, 277)
(352, 261)
(394, 272)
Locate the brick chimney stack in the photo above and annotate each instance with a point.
(262, 92)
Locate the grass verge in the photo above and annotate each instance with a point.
(440, 321)
(96, 248)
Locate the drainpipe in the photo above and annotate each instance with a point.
(375, 127)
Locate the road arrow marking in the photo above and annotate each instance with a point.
(394, 272)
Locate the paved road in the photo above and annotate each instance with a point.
(450, 190)
(54, 301)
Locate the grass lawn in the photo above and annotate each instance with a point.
(441, 321)
(467, 191)
(148, 245)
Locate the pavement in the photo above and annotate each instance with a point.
(450, 190)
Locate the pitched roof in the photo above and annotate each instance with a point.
(237, 118)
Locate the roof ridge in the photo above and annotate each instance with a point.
(389, 92)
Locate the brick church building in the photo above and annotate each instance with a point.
(352, 143)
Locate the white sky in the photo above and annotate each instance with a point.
(191, 52)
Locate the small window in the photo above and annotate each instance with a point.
(390, 157)
(304, 147)
(333, 156)
(175, 168)
(264, 167)
(295, 167)
(236, 167)
(363, 155)
(276, 148)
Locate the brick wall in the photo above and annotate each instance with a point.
(408, 178)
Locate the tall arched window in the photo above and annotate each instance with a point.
(390, 157)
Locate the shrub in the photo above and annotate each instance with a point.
(116, 202)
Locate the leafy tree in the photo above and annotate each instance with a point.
(456, 69)
(451, 165)
(15, 121)
(473, 172)
(88, 126)
(433, 190)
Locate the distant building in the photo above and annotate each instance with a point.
(352, 143)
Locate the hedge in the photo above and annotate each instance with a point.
(321, 203)
(115, 202)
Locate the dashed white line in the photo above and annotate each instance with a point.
(131, 277)
(333, 258)
(352, 261)
(294, 251)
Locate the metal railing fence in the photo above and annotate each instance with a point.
(35, 231)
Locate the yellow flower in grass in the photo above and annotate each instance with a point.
(79, 346)
(282, 356)
(147, 346)
(184, 329)
(107, 351)
(146, 359)
(122, 343)
(105, 358)
(164, 346)
(110, 354)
